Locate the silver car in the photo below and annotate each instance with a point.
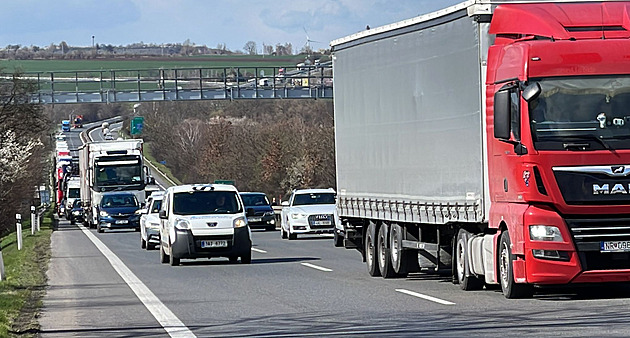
(150, 221)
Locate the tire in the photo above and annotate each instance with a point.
(172, 260)
(99, 229)
(384, 256)
(338, 240)
(292, 236)
(283, 234)
(371, 251)
(143, 243)
(163, 256)
(401, 259)
(72, 221)
(270, 228)
(510, 288)
(233, 259)
(466, 280)
(247, 258)
(137, 229)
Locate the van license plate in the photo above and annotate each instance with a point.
(214, 244)
(615, 246)
(122, 221)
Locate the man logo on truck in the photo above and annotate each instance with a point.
(604, 189)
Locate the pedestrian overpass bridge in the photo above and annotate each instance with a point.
(183, 84)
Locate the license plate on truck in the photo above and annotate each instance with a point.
(214, 244)
(615, 246)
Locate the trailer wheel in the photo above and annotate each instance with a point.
(371, 251)
(465, 279)
(400, 258)
(384, 254)
(510, 288)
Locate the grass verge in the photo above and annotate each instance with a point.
(25, 285)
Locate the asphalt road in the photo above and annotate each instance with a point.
(304, 287)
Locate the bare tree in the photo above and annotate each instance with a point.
(250, 48)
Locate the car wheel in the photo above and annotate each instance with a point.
(510, 288)
(72, 221)
(163, 255)
(292, 236)
(371, 251)
(137, 229)
(173, 261)
(143, 243)
(99, 229)
(283, 234)
(247, 258)
(338, 240)
(233, 259)
(271, 228)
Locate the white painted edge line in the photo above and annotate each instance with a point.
(258, 250)
(316, 267)
(419, 295)
(173, 326)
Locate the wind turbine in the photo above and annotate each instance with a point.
(307, 44)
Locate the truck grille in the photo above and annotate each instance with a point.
(321, 221)
(589, 233)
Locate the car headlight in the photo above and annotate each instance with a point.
(76, 212)
(297, 216)
(269, 213)
(239, 222)
(547, 233)
(103, 213)
(182, 224)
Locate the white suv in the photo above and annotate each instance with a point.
(204, 220)
(308, 211)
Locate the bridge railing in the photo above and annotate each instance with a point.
(220, 83)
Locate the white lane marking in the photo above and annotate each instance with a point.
(258, 250)
(419, 295)
(316, 267)
(173, 326)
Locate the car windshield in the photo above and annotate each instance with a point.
(314, 198)
(119, 201)
(155, 207)
(206, 202)
(591, 111)
(251, 200)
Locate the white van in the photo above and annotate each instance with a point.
(72, 193)
(203, 220)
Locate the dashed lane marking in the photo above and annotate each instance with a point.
(430, 298)
(313, 266)
(259, 250)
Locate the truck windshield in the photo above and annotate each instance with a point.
(587, 113)
(118, 174)
(74, 193)
(206, 202)
(306, 199)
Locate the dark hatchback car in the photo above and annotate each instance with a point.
(117, 210)
(76, 214)
(263, 216)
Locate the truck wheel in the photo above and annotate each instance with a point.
(247, 258)
(510, 288)
(465, 279)
(338, 240)
(371, 251)
(400, 258)
(163, 255)
(384, 256)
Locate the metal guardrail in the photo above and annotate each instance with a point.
(221, 83)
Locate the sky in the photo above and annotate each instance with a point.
(203, 22)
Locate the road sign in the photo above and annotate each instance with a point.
(137, 123)
(223, 182)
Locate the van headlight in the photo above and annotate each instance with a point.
(239, 222)
(182, 224)
(547, 233)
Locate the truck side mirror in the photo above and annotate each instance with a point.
(162, 214)
(502, 118)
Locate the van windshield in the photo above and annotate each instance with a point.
(206, 202)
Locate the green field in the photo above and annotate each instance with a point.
(34, 66)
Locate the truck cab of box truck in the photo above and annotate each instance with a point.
(559, 143)
(65, 125)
